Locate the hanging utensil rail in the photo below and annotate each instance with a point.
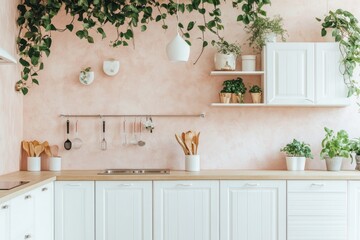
(201, 115)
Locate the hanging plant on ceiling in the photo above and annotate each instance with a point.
(346, 31)
(36, 24)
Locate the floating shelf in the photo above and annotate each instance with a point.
(278, 105)
(235, 73)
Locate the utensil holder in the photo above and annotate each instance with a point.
(192, 163)
(55, 164)
(34, 164)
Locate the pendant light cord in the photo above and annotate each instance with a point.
(177, 16)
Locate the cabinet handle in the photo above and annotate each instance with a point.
(27, 196)
(5, 207)
(44, 189)
(126, 185)
(252, 184)
(184, 185)
(27, 236)
(317, 184)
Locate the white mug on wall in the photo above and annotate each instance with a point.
(111, 67)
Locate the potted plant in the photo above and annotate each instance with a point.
(255, 93)
(346, 31)
(296, 154)
(226, 55)
(238, 91)
(335, 147)
(86, 76)
(355, 149)
(225, 93)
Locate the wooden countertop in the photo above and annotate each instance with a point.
(37, 179)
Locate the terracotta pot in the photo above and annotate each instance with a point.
(256, 97)
(225, 97)
(237, 98)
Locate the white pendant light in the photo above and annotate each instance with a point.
(178, 50)
(5, 57)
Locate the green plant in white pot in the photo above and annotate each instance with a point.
(226, 55)
(355, 149)
(335, 147)
(296, 154)
(256, 93)
(86, 76)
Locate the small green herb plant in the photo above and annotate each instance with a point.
(335, 144)
(224, 47)
(261, 27)
(346, 31)
(235, 86)
(297, 149)
(355, 146)
(83, 76)
(255, 89)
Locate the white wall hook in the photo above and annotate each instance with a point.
(111, 67)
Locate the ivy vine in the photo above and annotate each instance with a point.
(36, 24)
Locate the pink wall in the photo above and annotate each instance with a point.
(11, 117)
(231, 138)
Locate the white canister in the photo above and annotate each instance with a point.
(55, 164)
(34, 164)
(295, 163)
(248, 63)
(225, 62)
(192, 163)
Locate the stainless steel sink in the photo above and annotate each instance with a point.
(134, 171)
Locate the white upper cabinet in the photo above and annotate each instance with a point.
(44, 212)
(290, 73)
(124, 210)
(74, 210)
(186, 210)
(5, 221)
(253, 210)
(330, 86)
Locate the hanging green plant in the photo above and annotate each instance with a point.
(346, 31)
(36, 24)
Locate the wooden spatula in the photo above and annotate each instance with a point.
(25, 145)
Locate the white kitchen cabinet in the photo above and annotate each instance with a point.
(354, 210)
(186, 210)
(317, 210)
(330, 86)
(124, 210)
(44, 212)
(253, 210)
(74, 210)
(22, 217)
(5, 221)
(290, 73)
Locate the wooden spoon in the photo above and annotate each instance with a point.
(25, 145)
(54, 150)
(188, 142)
(35, 143)
(31, 149)
(38, 150)
(182, 144)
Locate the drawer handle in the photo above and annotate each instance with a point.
(28, 236)
(252, 184)
(44, 189)
(317, 184)
(126, 185)
(5, 207)
(73, 185)
(27, 196)
(184, 185)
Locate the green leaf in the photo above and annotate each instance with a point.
(323, 32)
(90, 39)
(24, 90)
(24, 62)
(102, 32)
(70, 27)
(190, 25)
(35, 81)
(143, 28)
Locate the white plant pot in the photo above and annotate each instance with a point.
(34, 164)
(192, 163)
(270, 37)
(111, 67)
(55, 164)
(333, 164)
(295, 163)
(225, 62)
(248, 63)
(86, 78)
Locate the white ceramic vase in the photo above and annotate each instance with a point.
(295, 163)
(248, 63)
(333, 164)
(86, 78)
(225, 62)
(55, 164)
(192, 163)
(34, 164)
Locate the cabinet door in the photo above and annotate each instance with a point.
(74, 210)
(186, 210)
(5, 221)
(330, 86)
(124, 210)
(22, 217)
(253, 210)
(44, 212)
(290, 73)
(354, 210)
(317, 210)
